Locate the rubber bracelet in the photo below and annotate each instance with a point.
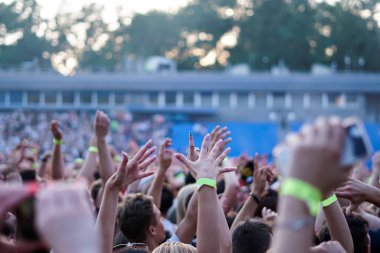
(57, 142)
(330, 200)
(206, 181)
(93, 149)
(254, 197)
(303, 191)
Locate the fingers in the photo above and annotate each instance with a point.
(145, 174)
(225, 170)
(352, 207)
(142, 151)
(166, 143)
(256, 165)
(222, 156)
(217, 150)
(191, 147)
(205, 146)
(148, 162)
(184, 161)
(147, 154)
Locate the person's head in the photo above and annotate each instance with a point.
(130, 248)
(359, 232)
(251, 236)
(183, 199)
(270, 201)
(140, 220)
(175, 247)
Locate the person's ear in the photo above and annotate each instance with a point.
(152, 230)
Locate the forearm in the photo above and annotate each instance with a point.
(105, 160)
(373, 195)
(338, 226)
(228, 199)
(188, 226)
(105, 222)
(288, 239)
(247, 211)
(155, 189)
(57, 163)
(225, 241)
(208, 228)
(374, 179)
(42, 170)
(89, 166)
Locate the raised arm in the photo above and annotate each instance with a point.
(314, 170)
(128, 172)
(58, 165)
(89, 166)
(374, 179)
(337, 223)
(206, 169)
(257, 191)
(358, 192)
(105, 159)
(164, 162)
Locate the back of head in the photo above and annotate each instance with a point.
(251, 236)
(175, 247)
(136, 216)
(183, 195)
(359, 232)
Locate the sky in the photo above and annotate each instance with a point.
(51, 7)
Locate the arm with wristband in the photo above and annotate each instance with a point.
(58, 165)
(89, 165)
(206, 169)
(314, 170)
(257, 191)
(337, 223)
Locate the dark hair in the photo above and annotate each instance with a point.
(269, 201)
(167, 198)
(136, 216)
(251, 236)
(359, 232)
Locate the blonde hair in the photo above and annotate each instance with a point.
(175, 247)
(183, 195)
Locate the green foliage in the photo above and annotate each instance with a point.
(298, 33)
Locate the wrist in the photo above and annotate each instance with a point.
(206, 182)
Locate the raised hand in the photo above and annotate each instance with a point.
(269, 216)
(56, 130)
(355, 191)
(101, 124)
(132, 170)
(192, 155)
(60, 210)
(207, 166)
(260, 176)
(165, 155)
(316, 154)
(219, 133)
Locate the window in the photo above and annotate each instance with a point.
(153, 98)
(206, 98)
(224, 100)
(315, 100)
(136, 98)
(261, 100)
(352, 100)
(278, 99)
(67, 97)
(85, 98)
(33, 97)
(335, 100)
(121, 98)
(50, 97)
(170, 98)
(16, 97)
(188, 99)
(103, 98)
(242, 100)
(2, 97)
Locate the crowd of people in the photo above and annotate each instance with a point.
(153, 199)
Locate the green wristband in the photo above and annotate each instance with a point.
(206, 181)
(330, 200)
(303, 191)
(57, 142)
(93, 149)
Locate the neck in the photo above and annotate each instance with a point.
(151, 243)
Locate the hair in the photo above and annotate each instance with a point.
(167, 198)
(251, 236)
(359, 232)
(269, 201)
(130, 250)
(136, 216)
(175, 247)
(183, 196)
